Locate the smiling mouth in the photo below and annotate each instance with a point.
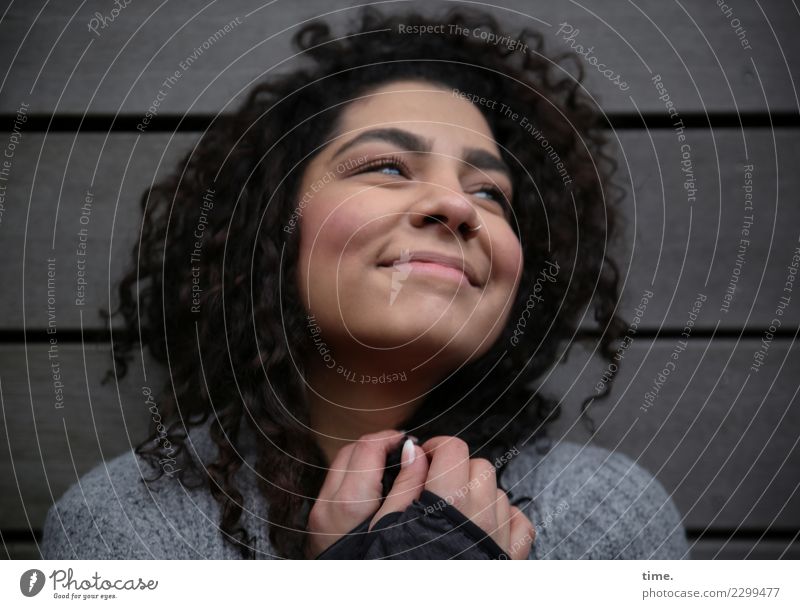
(432, 264)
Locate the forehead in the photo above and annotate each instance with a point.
(436, 111)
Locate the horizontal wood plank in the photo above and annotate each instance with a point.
(726, 450)
(52, 447)
(741, 549)
(709, 60)
(21, 550)
(672, 246)
(723, 439)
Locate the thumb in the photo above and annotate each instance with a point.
(409, 482)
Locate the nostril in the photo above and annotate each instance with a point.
(438, 219)
(467, 231)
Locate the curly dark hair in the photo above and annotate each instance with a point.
(252, 162)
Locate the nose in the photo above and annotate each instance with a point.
(445, 209)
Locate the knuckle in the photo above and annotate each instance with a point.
(363, 446)
(347, 494)
(372, 438)
(369, 445)
(447, 443)
(483, 468)
(483, 464)
(437, 440)
(345, 451)
(316, 517)
(502, 499)
(458, 444)
(350, 507)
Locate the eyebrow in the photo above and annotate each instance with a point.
(411, 142)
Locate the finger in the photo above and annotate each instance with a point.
(484, 489)
(448, 472)
(362, 480)
(523, 534)
(336, 472)
(409, 482)
(503, 515)
(480, 505)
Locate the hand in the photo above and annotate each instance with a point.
(471, 486)
(352, 489)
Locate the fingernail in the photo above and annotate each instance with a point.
(408, 455)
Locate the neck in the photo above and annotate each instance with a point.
(349, 400)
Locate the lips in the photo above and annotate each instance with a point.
(435, 258)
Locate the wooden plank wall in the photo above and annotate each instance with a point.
(722, 439)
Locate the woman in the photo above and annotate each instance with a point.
(353, 281)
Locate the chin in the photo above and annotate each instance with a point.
(427, 331)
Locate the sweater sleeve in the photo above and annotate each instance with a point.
(111, 514)
(588, 502)
(96, 518)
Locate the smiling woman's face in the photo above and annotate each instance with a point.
(389, 257)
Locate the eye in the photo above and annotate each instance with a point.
(492, 193)
(387, 166)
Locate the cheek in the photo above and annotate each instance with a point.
(506, 255)
(335, 230)
(506, 275)
(336, 243)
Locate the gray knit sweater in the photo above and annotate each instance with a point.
(587, 503)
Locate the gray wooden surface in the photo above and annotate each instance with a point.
(692, 45)
(720, 437)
